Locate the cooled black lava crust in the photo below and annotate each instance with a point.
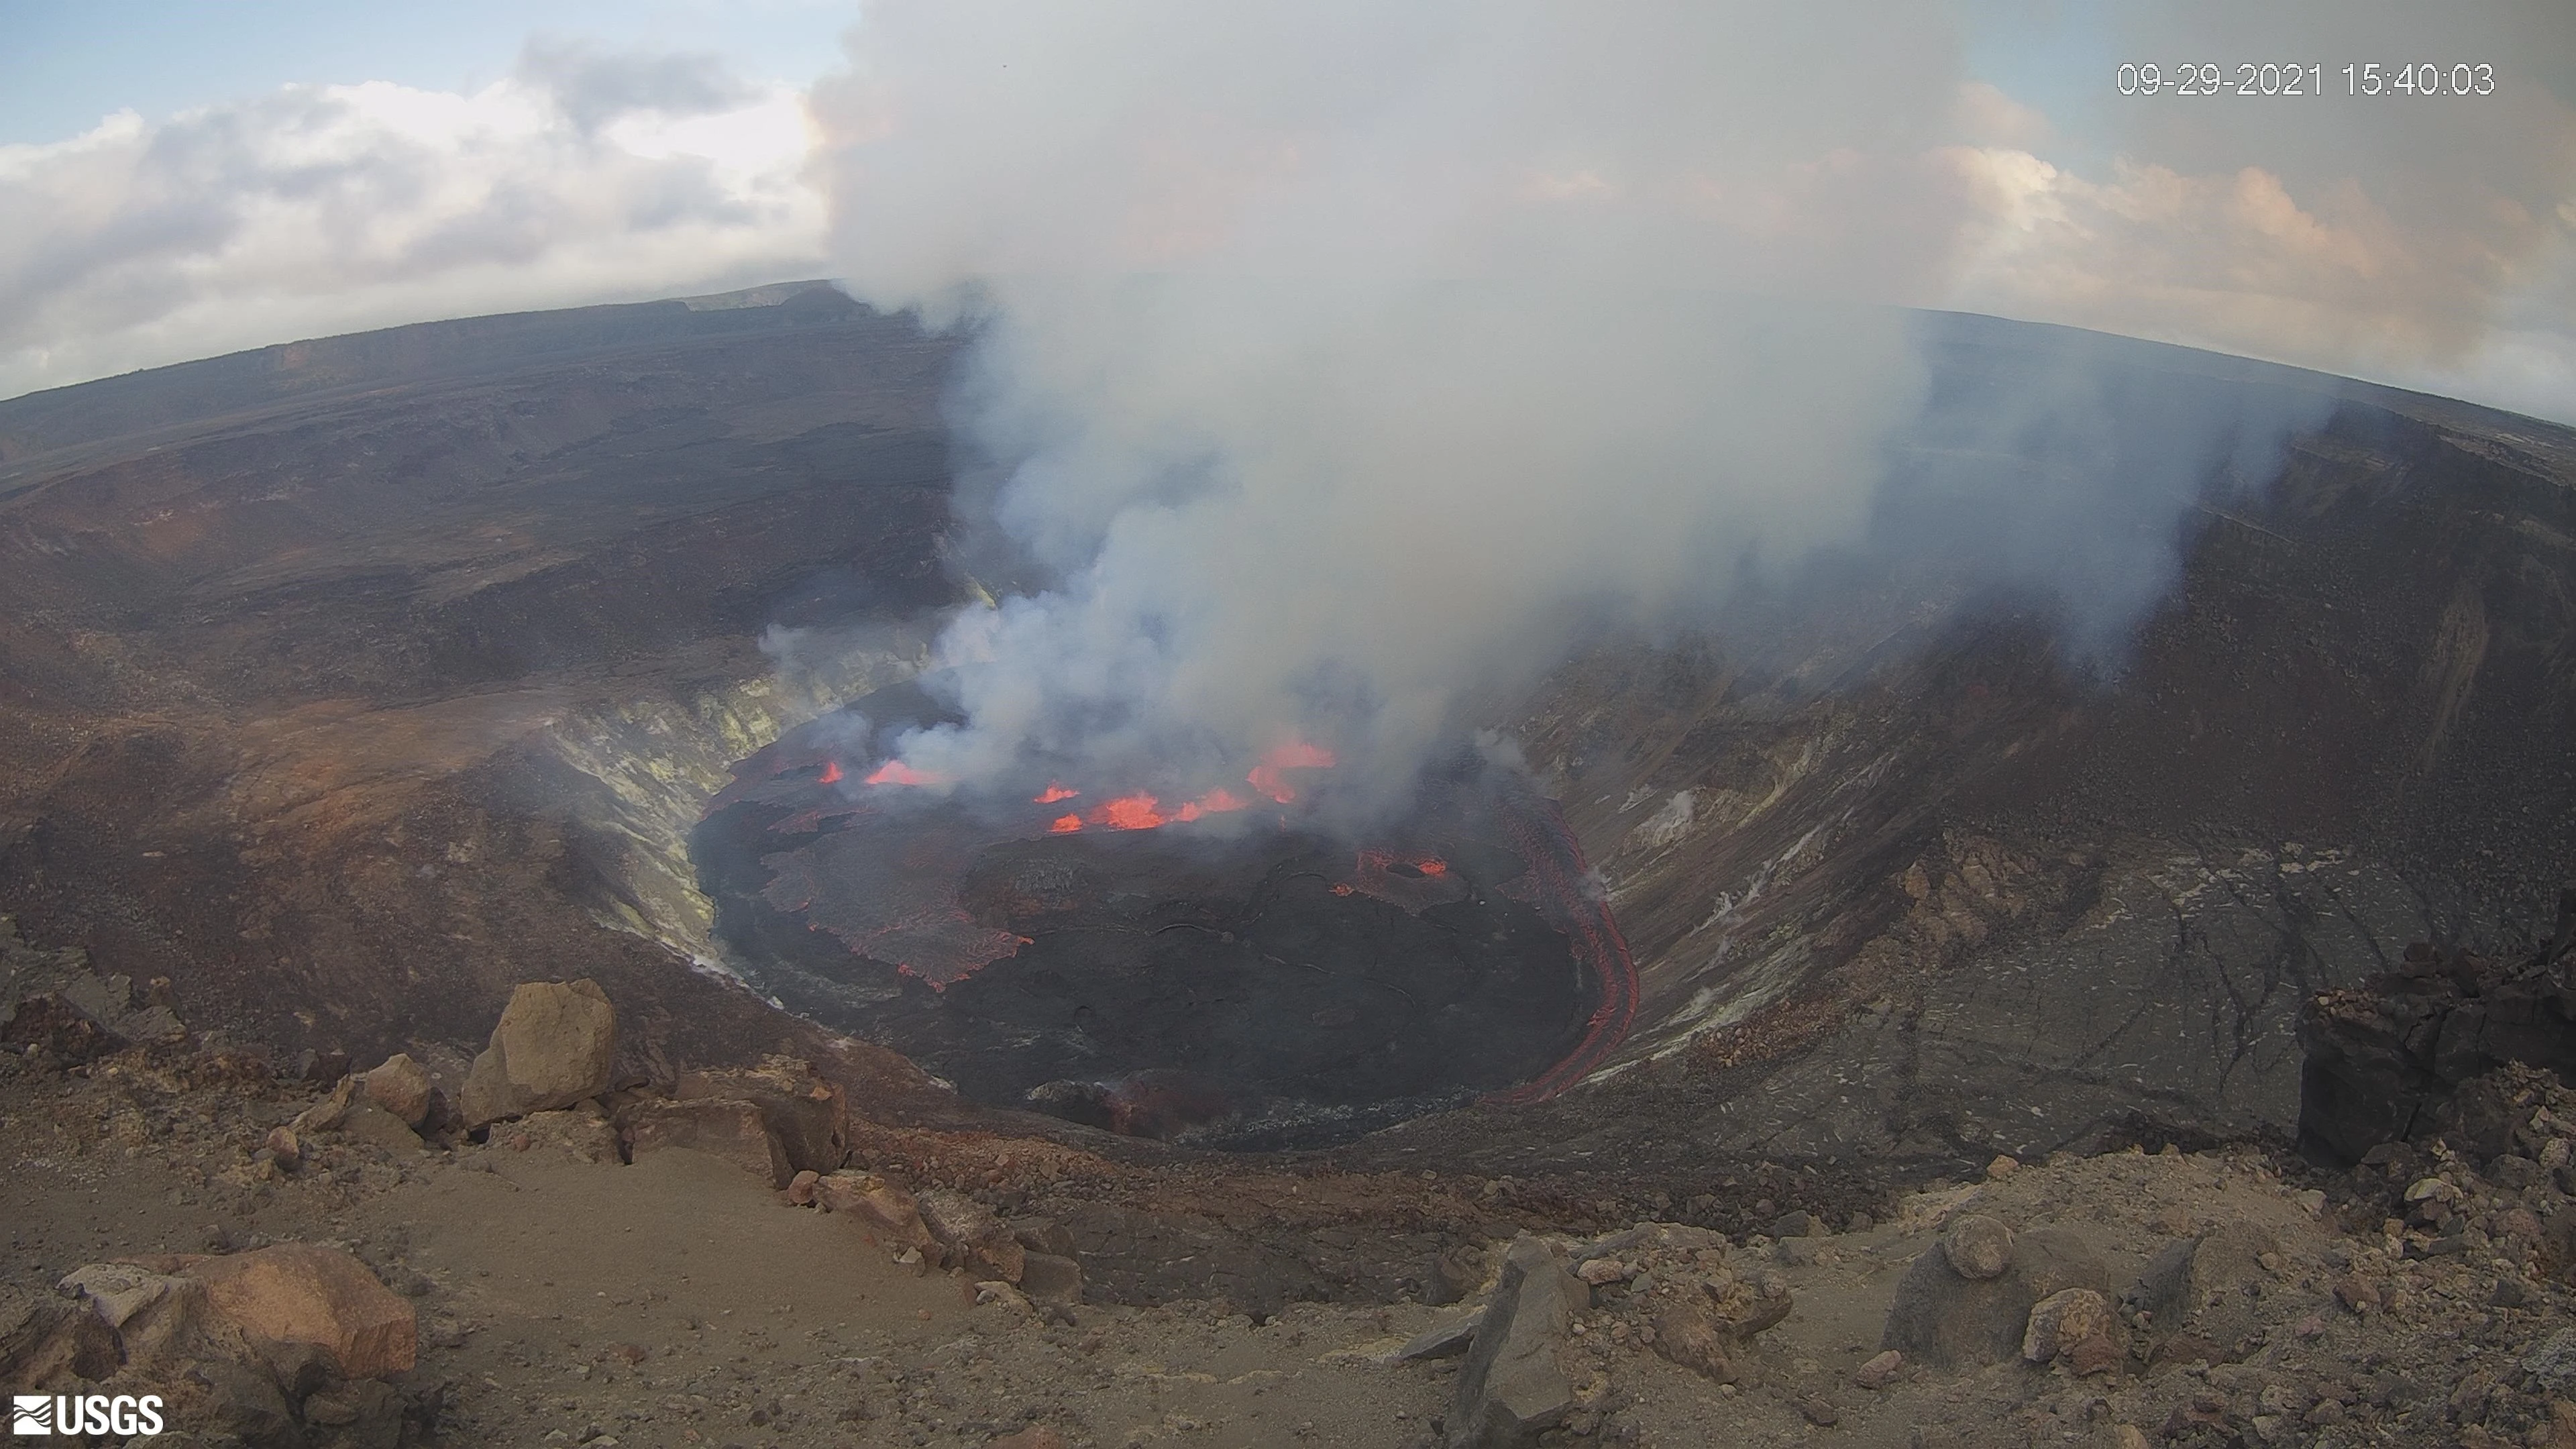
(1246, 984)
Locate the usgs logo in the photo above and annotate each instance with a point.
(84, 1414)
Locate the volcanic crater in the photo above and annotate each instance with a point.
(1226, 969)
(350, 685)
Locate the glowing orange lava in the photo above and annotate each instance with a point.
(1215, 802)
(1432, 866)
(1145, 812)
(831, 772)
(1295, 755)
(896, 772)
(1131, 812)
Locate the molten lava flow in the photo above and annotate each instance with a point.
(1295, 755)
(831, 772)
(1138, 812)
(1130, 812)
(1215, 802)
(1563, 890)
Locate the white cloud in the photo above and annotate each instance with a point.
(2323, 277)
(314, 210)
(2425, 240)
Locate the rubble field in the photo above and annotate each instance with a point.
(525, 1251)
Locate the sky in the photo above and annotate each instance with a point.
(178, 179)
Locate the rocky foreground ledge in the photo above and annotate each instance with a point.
(522, 1250)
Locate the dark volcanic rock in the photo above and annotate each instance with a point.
(2384, 1058)
(1951, 1322)
(2199, 1285)
(1513, 1387)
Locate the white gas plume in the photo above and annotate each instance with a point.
(1339, 359)
(1339, 362)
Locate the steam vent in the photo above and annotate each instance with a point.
(1216, 968)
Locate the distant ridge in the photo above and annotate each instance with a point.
(64, 418)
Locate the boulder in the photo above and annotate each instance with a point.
(722, 1127)
(1978, 1247)
(1795, 1225)
(362, 1415)
(298, 1293)
(970, 1236)
(1881, 1372)
(2075, 1326)
(1687, 1335)
(1050, 1278)
(160, 1318)
(46, 1339)
(2382, 1060)
(121, 1292)
(2200, 1283)
(1706, 1331)
(1514, 1385)
(348, 1109)
(581, 1132)
(1744, 1306)
(1949, 1321)
(319, 1068)
(1044, 1235)
(1442, 1340)
(884, 1208)
(809, 1116)
(298, 1368)
(1455, 1272)
(366, 1122)
(2502, 1112)
(327, 1114)
(555, 1045)
(402, 1086)
(240, 1403)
